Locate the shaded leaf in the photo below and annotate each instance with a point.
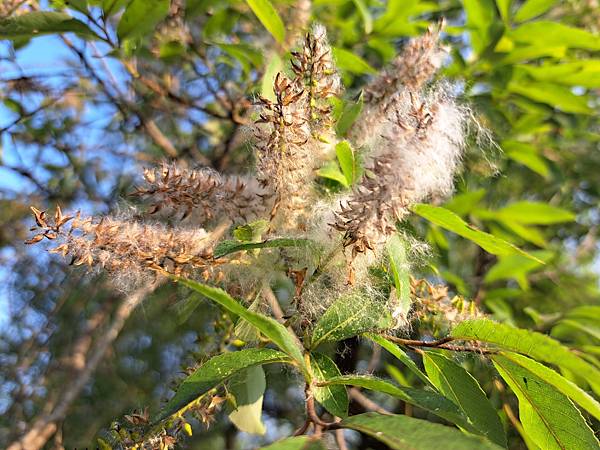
(425, 399)
(333, 398)
(351, 111)
(400, 355)
(141, 17)
(248, 388)
(226, 247)
(460, 387)
(37, 23)
(297, 443)
(214, 372)
(401, 432)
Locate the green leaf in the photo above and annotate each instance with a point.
(248, 388)
(365, 15)
(516, 267)
(555, 95)
(460, 387)
(251, 231)
(267, 326)
(350, 315)
(533, 8)
(297, 443)
(331, 171)
(400, 273)
(348, 161)
(214, 372)
(401, 432)
(333, 398)
(226, 247)
(535, 213)
(350, 113)
(400, 355)
(530, 343)
(527, 155)
(563, 385)
(274, 66)
(548, 417)
(451, 222)
(38, 23)
(268, 16)
(425, 399)
(463, 203)
(141, 17)
(583, 72)
(346, 60)
(481, 17)
(504, 8)
(554, 34)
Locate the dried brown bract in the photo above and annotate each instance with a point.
(125, 247)
(201, 194)
(283, 160)
(316, 72)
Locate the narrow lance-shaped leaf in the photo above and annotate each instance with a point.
(268, 16)
(548, 417)
(334, 398)
(37, 23)
(227, 247)
(348, 161)
(297, 443)
(141, 17)
(214, 372)
(349, 316)
(530, 343)
(400, 355)
(451, 222)
(561, 384)
(460, 387)
(401, 432)
(267, 326)
(425, 399)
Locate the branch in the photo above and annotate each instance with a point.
(45, 426)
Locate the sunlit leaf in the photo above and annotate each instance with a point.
(266, 325)
(548, 417)
(451, 222)
(268, 16)
(535, 345)
(351, 315)
(567, 387)
(458, 385)
(346, 60)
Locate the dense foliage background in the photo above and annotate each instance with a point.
(85, 104)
